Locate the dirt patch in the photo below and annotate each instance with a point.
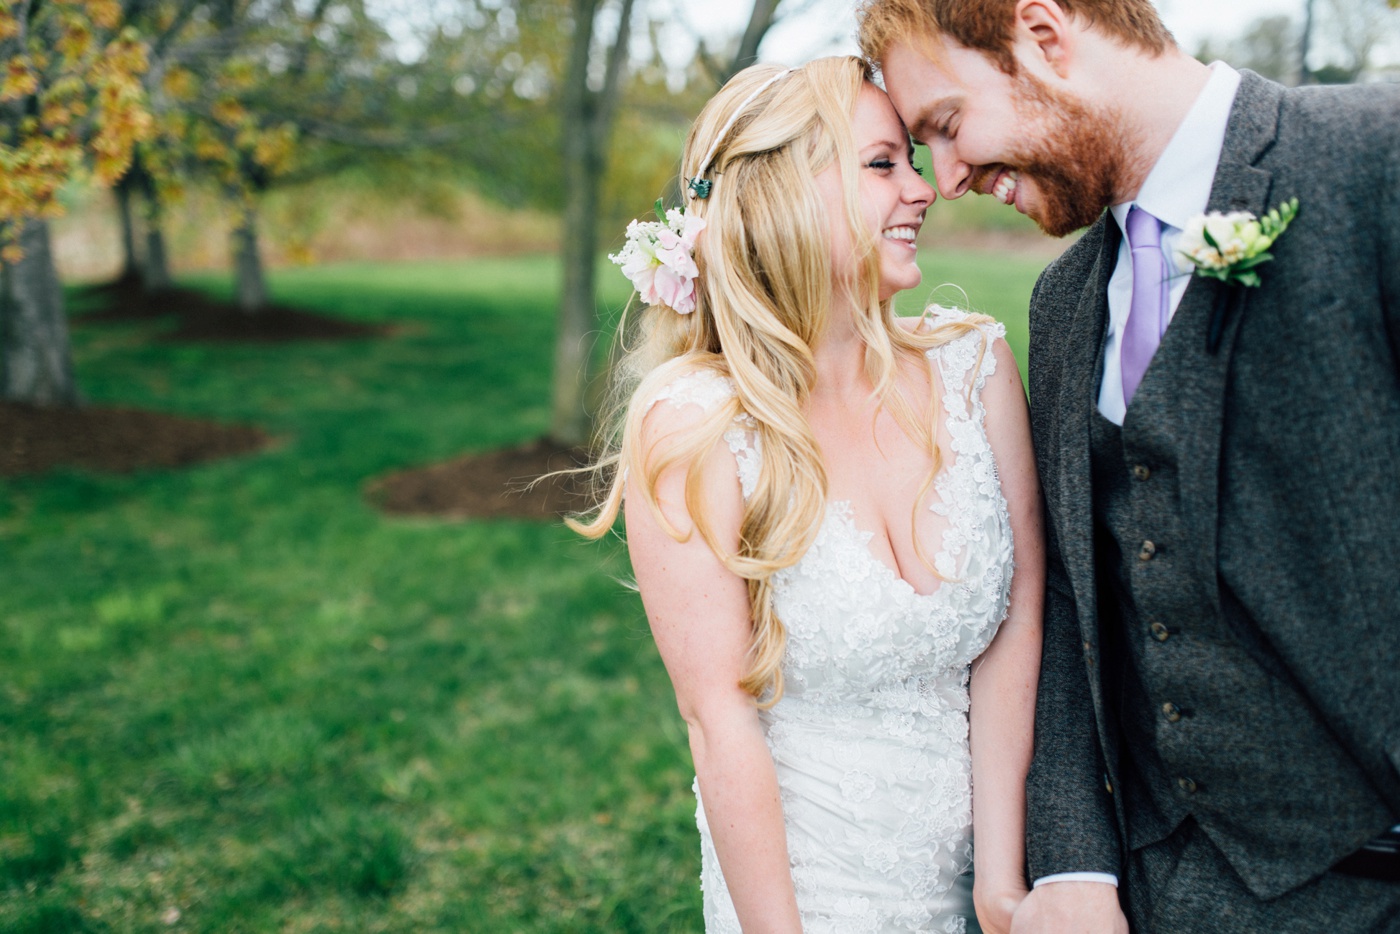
(113, 440)
(495, 484)
(202, 318)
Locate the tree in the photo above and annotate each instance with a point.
(1268, 46)
(1355, 28)
(588, 114)
(1350, 29)
(71, 104)
(254, 93)
(587, 119)
(139, 194)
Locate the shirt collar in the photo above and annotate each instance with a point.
(1178, 187)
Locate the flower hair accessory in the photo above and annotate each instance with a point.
(1228, 247)
(659, 258)
(698, 184)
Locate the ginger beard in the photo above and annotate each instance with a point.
(1076, 164)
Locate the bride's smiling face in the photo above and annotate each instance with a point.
(893, 196)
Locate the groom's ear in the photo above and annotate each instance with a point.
(1044, 38)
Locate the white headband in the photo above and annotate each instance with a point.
(700, 186)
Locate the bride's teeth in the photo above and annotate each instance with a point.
(901, 233)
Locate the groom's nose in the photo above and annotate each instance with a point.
(951, 175)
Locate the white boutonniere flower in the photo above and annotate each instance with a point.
(1230, 247)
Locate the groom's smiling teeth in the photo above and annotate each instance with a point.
(1005, 188)
(901, 233)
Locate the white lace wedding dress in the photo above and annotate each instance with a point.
(870, 738)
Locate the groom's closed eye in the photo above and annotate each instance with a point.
(935, 120)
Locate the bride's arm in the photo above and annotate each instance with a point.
(1004, 678)
(699, 615)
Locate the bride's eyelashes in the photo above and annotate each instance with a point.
(885, 165)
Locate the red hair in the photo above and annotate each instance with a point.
(988, 26)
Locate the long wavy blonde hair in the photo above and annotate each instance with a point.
(764, 297)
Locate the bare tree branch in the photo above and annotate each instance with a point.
(760, 21)
(617, 58)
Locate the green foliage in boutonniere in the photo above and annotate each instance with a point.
(1229, 247)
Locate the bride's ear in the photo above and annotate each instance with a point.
(1044, 37)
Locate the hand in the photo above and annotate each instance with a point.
(1070, 908)
(996, 905)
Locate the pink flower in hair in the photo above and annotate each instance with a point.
(659, 258)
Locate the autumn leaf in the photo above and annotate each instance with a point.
(21, 80)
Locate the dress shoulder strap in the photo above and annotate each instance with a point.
(708, 389)
(966, 362)
(704, 388)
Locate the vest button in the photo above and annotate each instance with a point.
(1187, 785)
(1160, 633)
(1171, 712)
(1147, 551)
(1141, 472)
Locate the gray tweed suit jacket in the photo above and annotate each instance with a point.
(1289, 453)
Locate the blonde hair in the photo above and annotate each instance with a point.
(764, 296)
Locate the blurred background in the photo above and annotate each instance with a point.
(294, 297)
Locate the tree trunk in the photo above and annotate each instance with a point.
(1304, 43)
(250, 286)
(131, 262)
(36, 361)
(760, 21)
(578, 316)
(587, 124)
(156, 272)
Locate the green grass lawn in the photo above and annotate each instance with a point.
(236, 698)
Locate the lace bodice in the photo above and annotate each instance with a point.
(870, 737)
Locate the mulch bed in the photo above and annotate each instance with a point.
(113, 440)
(205, 319)
(490, 485)
(496, 484)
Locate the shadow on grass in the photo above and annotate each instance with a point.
(204, 318)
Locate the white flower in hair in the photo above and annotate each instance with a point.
(659, 258)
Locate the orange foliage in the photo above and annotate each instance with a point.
(90, 103)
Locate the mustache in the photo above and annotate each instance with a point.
(981, 175)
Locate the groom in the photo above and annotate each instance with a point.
(1218, 733)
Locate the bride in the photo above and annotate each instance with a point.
(821, 501)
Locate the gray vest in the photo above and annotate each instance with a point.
(1176, 668)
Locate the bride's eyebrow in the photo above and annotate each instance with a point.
(886, 144)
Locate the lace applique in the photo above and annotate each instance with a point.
(969, 493)
(708, 389)
(870, 740)
(704, 388)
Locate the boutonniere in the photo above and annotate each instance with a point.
(659, 258)
(1230, 247)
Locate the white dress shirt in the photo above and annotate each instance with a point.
(1175, 191)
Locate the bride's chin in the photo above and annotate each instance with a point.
(891, 286)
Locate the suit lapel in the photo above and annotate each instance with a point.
(1238, 186)
(1078, 397)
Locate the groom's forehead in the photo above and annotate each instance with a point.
(932, 82)
(942, 67)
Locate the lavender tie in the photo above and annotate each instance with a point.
(1147, 314)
